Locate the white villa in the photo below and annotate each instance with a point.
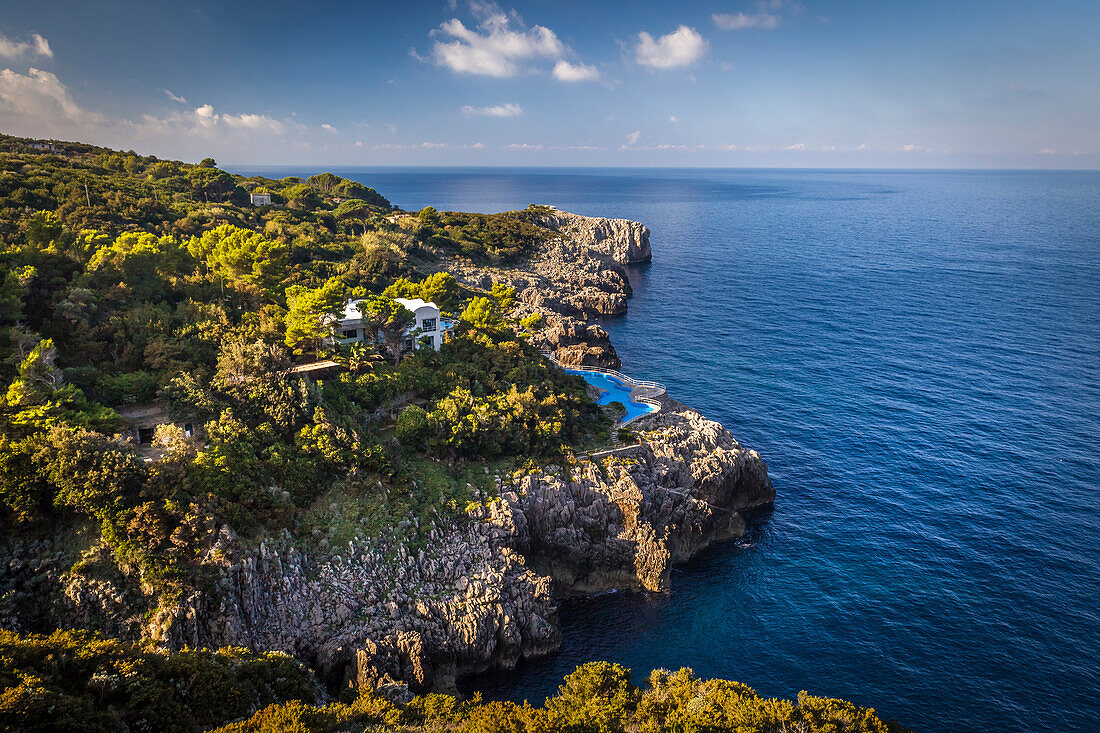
(260, 199)
(430, 328)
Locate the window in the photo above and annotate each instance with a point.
(351, 334)
(428, 324)
(145, 435)
(189, 429)
(428, 341)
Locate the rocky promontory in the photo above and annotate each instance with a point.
(570, 281)
(624, 241)
(482, 591)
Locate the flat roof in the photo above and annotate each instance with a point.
(414, 304)
(314, 366)
(351, 310)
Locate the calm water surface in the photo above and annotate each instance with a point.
(917, 357)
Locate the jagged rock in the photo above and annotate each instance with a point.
(623, 240)
(483, 593)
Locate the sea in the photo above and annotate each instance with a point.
(916, 355)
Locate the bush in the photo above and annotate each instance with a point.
(78, 680)
(413, 427)
(126, 389)
(598, 697)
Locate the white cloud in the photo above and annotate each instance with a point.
(205, 122)
(205, 116)
(682, 47)
(38, 104)
(796, 146)
(39, 96)
(175, 97)
(499, 110)
(742, 21)
(36, 46)
(523, 146)
(1048, 151)
(769, 14)
(565, 71)
(672, 118)
(254, 122)
(421, 146)
(632, 137)
(328, 128)
(358, 143)
(494, 48)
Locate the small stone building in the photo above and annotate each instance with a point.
(140, 422)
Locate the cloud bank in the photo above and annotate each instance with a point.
(39, 97)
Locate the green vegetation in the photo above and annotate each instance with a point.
(130, 280)
(79, 681)
(480, 236)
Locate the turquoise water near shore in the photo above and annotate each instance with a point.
(917, 356)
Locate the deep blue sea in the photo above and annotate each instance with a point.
(917, 357)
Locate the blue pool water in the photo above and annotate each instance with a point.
(917, 356)
(614, 391)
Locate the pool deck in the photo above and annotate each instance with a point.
(642, 391)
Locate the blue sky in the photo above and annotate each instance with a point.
(813, 83)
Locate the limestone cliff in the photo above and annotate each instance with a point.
(481, 591)
(570, 281)
(622, 240)
(480, 594)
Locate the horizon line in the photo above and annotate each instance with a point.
(960, 169)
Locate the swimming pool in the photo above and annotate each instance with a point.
(614, 391)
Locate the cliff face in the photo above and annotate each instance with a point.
(622, 240)
(480, 592)
(571, 281)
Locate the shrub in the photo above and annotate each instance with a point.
(598, 697)
(413, 427)
(127, 389)
(78, 680)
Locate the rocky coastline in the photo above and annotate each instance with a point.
(483, 592)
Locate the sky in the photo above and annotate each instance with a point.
(756, 83)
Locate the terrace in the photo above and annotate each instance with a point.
(640, 397)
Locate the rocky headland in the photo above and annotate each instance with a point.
(482, 592)
(573, 279)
